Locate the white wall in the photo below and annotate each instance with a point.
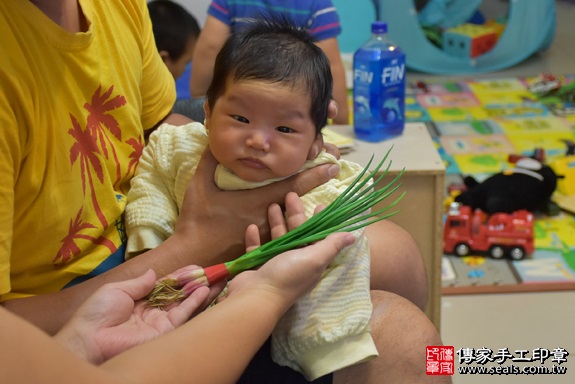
(198, 8)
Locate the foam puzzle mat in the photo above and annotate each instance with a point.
(476, 124)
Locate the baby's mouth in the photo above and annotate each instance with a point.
(253, 163)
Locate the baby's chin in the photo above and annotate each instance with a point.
(257, 175)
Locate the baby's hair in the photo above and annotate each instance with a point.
(274, 50)
(173, 26)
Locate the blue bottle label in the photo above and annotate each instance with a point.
(379, 97)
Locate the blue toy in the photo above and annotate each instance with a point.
(447, 13)
(530, 28)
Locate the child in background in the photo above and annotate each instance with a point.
(264, 115)
(225, 17)
(176, 32)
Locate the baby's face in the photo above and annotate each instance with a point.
(262, 130)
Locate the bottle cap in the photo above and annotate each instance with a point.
(379, 27)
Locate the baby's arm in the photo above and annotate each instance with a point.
(328, 329)
(151, 211)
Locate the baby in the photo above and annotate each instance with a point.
(265, 108)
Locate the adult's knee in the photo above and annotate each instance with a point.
(401, 331)
(397, 262)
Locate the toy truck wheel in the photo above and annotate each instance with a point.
(497, 252)
(462, 249)
(517, 253)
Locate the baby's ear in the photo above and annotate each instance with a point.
(316, 147)
(207, 114)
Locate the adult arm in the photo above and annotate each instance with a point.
(212, 38)
(117, 318)
(217, 219)
(198, 349)
(331, 50)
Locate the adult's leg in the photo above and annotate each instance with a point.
(397, 262)
(401, 332)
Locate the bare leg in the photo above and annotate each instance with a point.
(397, 262)
(401, 332)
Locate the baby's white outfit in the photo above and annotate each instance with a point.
(326, 330)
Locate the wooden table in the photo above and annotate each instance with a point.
(421, 210)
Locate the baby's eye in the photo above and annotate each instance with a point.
(285, 129)
(241, 119)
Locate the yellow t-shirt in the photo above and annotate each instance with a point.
(73, 107)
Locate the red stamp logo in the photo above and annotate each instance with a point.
(439, 360)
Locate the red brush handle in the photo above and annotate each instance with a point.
(216, 273)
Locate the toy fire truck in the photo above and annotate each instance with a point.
(498, 235)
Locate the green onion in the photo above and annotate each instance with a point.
(346, 213)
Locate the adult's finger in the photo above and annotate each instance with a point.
(295, 211)
(252, 237)
(279, 225)
(276, 220)
(302, 182)
(332, 149)
(137, 287)
(332, 109)
(181, 312)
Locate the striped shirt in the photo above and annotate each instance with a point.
(319, 17)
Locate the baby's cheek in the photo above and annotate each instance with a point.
(289, 166)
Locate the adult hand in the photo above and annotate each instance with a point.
(217, 219)
(115, 318)
(279, 225)
(278, 222)
(294, 273)
(290, 275)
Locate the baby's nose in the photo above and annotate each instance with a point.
(259, 141)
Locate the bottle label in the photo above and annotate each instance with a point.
(393, 74)
(379, 95)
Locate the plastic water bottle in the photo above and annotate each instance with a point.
(378, 87)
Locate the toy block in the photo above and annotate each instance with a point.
(469, 40)
(497, 27)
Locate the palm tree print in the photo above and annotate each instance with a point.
(98, 119)
(91, 149)
(138, 146)
(86, 150)
(69, 248)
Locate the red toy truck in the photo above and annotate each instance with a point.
(499, 235)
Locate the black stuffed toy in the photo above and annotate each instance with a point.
(527, 186)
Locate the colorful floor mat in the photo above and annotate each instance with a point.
(476, 124)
